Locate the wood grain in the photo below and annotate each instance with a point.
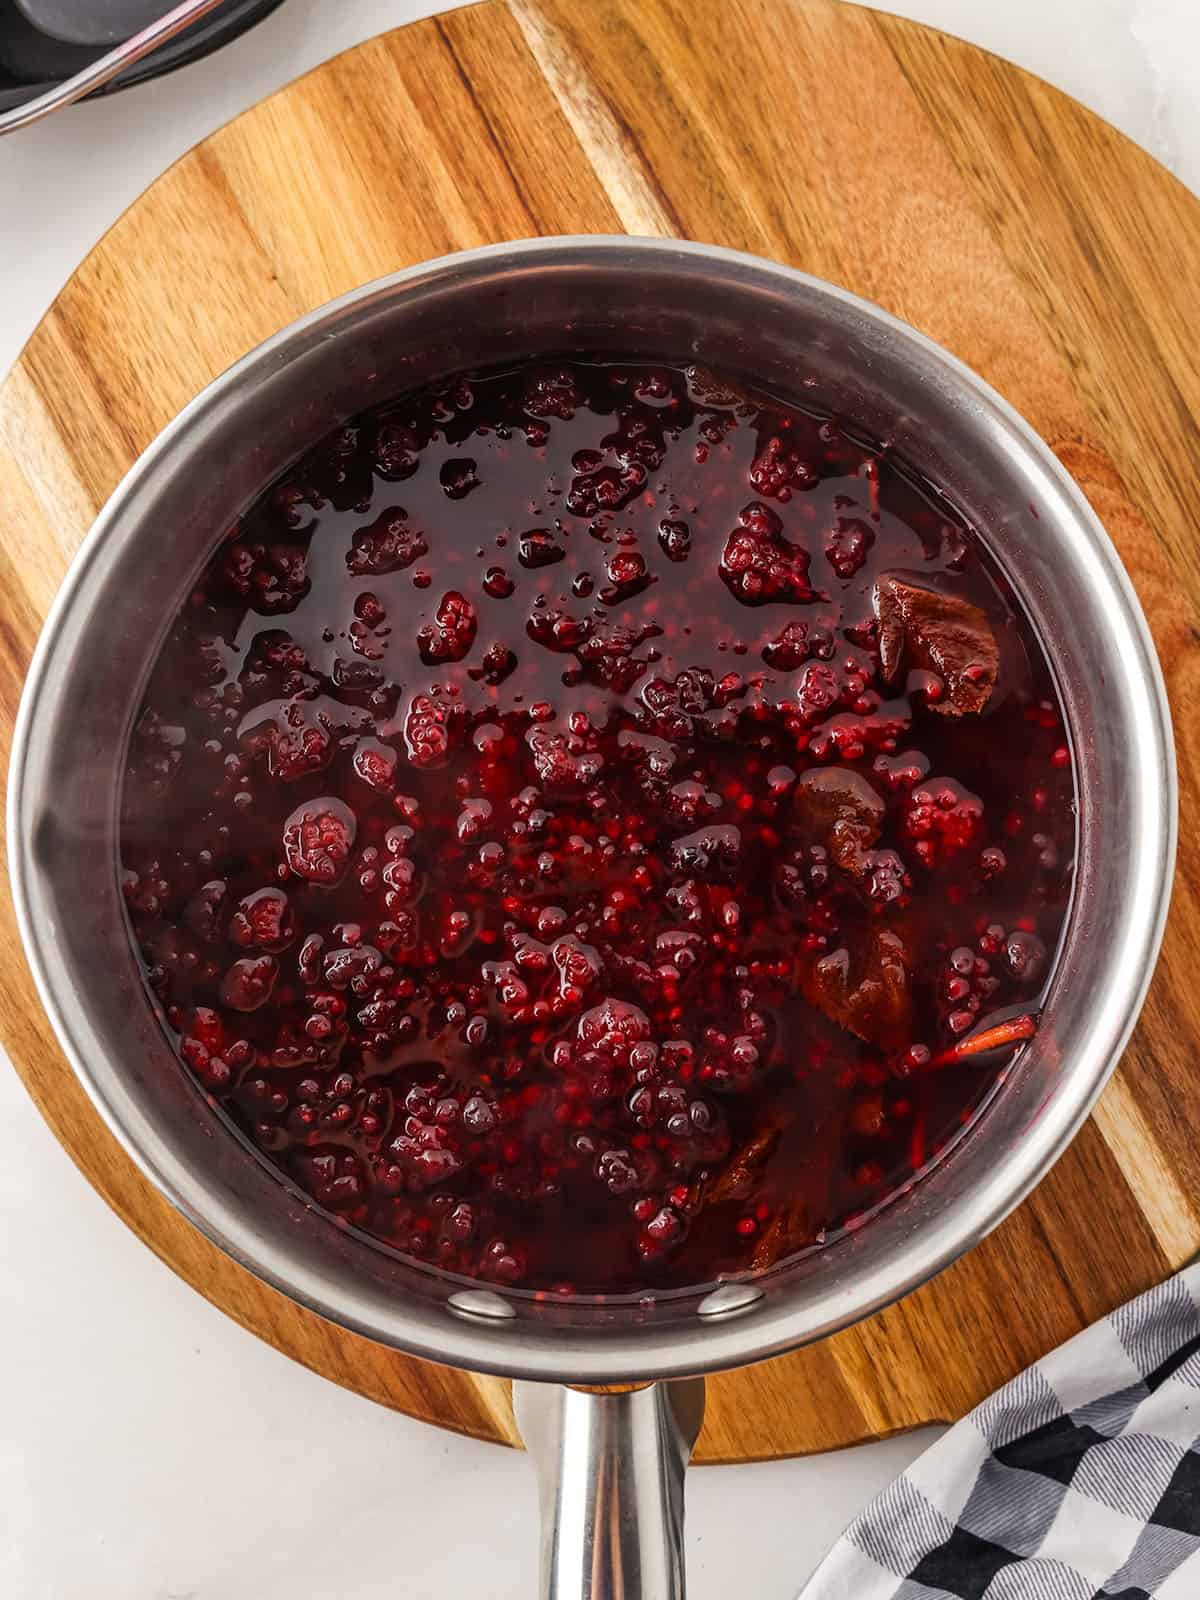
(988, 209)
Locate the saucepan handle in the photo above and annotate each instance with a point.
(610, 1468)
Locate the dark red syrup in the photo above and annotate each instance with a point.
(589, 822)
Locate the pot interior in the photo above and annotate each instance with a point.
(650, 300)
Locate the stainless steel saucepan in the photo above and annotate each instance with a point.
(611, 1464)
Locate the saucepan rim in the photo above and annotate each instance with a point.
(594, 1355)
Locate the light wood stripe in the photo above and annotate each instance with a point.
(1166, 1205)
(606, 144)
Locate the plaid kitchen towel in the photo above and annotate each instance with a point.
(1079, 1480)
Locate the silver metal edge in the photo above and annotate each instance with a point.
(766, 1329)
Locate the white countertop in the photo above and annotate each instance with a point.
(152, 1450)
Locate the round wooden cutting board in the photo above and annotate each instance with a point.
(991, 211)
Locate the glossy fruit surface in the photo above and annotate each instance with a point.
(584, 815)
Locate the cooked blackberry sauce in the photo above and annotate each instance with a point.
(597, 826)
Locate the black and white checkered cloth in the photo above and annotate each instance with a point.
(1079, 1480)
